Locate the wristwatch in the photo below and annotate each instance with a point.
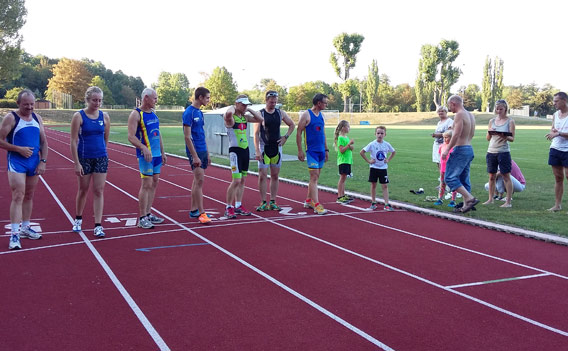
(43, 160)
(286, 136)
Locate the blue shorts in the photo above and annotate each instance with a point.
(558, 158)
(20, 164)
(315, 159)
(202, 156)
(457, 168)
(148, 169)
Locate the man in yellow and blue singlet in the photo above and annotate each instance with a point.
(236, 119)
(312, 124)
(144, 134)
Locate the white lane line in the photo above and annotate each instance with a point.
(498, 281)
(270, 278)
(137, 311)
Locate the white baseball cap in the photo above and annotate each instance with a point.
(244, 100)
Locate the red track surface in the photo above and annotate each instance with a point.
(349, 280)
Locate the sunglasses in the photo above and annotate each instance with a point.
(272, 94)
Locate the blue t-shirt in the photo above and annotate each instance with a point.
(92, 137)
(193, 118)
(148, 132)
(315, 137)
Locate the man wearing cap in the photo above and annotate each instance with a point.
(312, 123)
(268, 148)
(236, 119)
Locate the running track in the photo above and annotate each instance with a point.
(349, 280)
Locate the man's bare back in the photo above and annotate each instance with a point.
(466, 120)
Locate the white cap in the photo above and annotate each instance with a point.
(244, 100)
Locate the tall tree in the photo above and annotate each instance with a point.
(222, 87)
(386, 94)
(172, 89)
(347, 47)
(471, 96)
(70, 77)
(98, 81)
(12, 18)
(404, 98)
(372, 88)
(436, 71)
(492, 86)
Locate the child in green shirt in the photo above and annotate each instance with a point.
(344, 147)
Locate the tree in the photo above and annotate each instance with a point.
(492, 86)
(404, 98)
(107, 94)
(372, 88)
(35, 73)
(471, 96)
(12, 18)
(300, 97)
(222, 87)
(172, 89)
(347, 46)
(436, 73)
(349, 89)
(542, 100)
(70, 77)
(514, 96)
(386, 94)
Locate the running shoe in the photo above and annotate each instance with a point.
(389, 208)
(319, 209)
(99, 232)
(241, 210)
(154, 219)
(452, 204)
(204, 218)
(29, 233)
(194, 214)
(263, 207)
(309, 204)
(77, 225)
(230, 213)
(15, 242)
(439, 202)
(274, 206)
(373, 206)
(145, 223)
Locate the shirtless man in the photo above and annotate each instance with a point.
(457, 168)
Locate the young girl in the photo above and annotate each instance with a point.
(344, 147)
(379, 150)
(444, 147)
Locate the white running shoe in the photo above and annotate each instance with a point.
(99, 233)
(15, 242)
(145, 223)
(29, 233)
(154, 219)
(77, 225)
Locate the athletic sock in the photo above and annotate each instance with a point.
(15, 227)
(25, 224)
(238, 204)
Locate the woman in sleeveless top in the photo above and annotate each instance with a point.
(500, 132)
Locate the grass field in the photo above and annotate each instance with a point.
(412, 168)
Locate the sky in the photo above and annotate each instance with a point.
(291, 41)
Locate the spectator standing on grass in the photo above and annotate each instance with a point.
(443, 125)
(22, 134)
(236, 119)
(90, 128)
(196, 151)
(144, 134)
(457, 168)
(500, 132)
(379, 151)
(558, 154)
(312, 124)
(268, 145)
(344, 147)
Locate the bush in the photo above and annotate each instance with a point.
(8, 103)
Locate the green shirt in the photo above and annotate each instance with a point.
(347, 156)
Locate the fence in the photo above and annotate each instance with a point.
(61, 100)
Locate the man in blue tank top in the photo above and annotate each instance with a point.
(144, 134)
(312, 123)
(22, 134)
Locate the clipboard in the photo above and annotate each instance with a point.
(494, 132)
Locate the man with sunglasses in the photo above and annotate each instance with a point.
(312, 123)
(236, 118)
(268, 148)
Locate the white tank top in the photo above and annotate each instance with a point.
(560, 143)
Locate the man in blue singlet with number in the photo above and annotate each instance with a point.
(144, 134)
(23, 136)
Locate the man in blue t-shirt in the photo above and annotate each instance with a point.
(196, 151)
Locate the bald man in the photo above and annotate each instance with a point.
(457, 168)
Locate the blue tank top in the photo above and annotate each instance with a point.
(24, 133)
(92, 137)
(315, 137)
(148, 132)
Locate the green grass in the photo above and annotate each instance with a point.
(412, 168)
